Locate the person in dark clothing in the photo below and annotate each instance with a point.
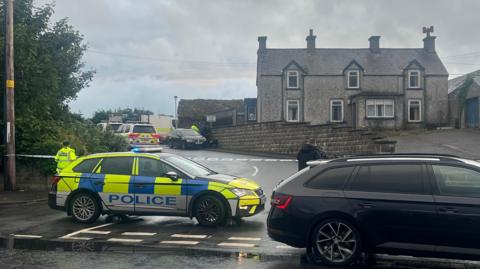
(308, 152)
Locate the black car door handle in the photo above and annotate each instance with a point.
(448, 210)
(366, 205)
(99, 183)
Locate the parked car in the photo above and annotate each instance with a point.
(420, 205)
(152, 184)
(139, 134)
(113, 126)
(185, 138)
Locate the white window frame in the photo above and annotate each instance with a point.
(254, 110)
(410, 77)
(358, 79)
(298, 110)
(331, 110)
(375, 103)
(288, 79)
(410, 101)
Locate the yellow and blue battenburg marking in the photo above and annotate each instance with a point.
(163, 192)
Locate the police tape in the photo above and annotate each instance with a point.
(31, 156)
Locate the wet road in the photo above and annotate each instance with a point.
(169, 241)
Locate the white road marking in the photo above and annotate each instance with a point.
(138, 234)
(245, 238)
(450, 146)
(240, 159)
(196, 236)
(96, 232)
(285, 247)
(26, 236)
(70, 235)
(77, 238)
(180, 242)
(240, 245)
(126, 240)
(256, 171)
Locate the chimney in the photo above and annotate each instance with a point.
(311, 40)
(262, 42)
(374, 43)
(429, 41)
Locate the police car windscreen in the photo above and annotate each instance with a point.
(143, 129)
(115, 126)
(189, 167)
(189, 133)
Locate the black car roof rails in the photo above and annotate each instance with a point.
(404, 154)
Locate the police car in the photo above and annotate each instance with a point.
(152, 184)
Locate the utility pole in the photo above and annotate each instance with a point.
(176, 115)
(9, 113)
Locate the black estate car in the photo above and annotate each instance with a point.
(185, 138)
(413, 204)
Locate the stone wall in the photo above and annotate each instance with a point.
(286, 139)
(29, 177)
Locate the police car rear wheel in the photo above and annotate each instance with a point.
(84, 208)
(210, 211)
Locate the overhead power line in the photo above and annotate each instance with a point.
(474, 53)
(180, 61)
(465, 63)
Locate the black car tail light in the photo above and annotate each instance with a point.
(281, 201)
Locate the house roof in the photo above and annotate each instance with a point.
(323, 61)
(455, 82)
(199, 108)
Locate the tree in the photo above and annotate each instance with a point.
(127, 114)
(49, 73)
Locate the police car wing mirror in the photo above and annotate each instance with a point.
(172, 175)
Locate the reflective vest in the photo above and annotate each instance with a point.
(65, 156)
(195, 128)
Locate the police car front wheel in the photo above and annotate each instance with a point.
(84, 208)
(210, 211)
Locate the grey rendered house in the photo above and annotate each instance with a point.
(463, 100)
(385, 88)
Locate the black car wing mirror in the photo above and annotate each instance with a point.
(172, 175)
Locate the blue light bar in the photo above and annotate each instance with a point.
(146, 149)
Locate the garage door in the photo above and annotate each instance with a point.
(471, 119)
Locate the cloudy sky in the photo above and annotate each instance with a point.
(147, 51)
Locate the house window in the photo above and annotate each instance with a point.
(252, 113)
(293, 110)
(378, 108)
(292, 79)
(414, 79)
(336, 110)
(414, 110)
(353, 80)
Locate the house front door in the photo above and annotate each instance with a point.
(471, 113)
(354, 115)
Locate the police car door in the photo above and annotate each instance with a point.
(155, 192)
(117, 192)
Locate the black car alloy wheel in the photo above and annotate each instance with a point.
(336, 242)
(209, 211)
(84, 208)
